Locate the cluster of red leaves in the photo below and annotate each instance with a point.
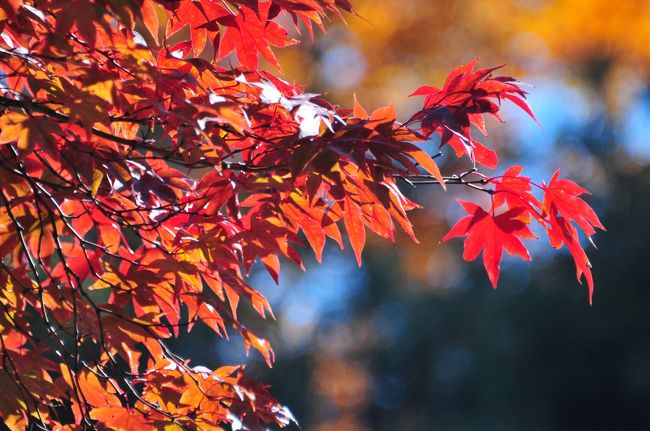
(140, 181)
(513, 207)
(463, 101)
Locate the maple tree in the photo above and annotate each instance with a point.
(141, 179)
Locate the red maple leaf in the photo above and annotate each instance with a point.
(563, 206)
(514, 190)
(249, 33)
(201, 18)
(491, 234)
(561, 196)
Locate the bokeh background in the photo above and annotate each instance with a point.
(417, 339)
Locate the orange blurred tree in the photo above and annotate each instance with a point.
(141, 180)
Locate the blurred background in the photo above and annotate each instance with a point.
(417, 339)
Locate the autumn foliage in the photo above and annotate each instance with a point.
(147, 162)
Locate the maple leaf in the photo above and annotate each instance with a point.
(249, 33)
(199, 15)
(563, 207)
(561, 196)
(514, 190)
(491, 234)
